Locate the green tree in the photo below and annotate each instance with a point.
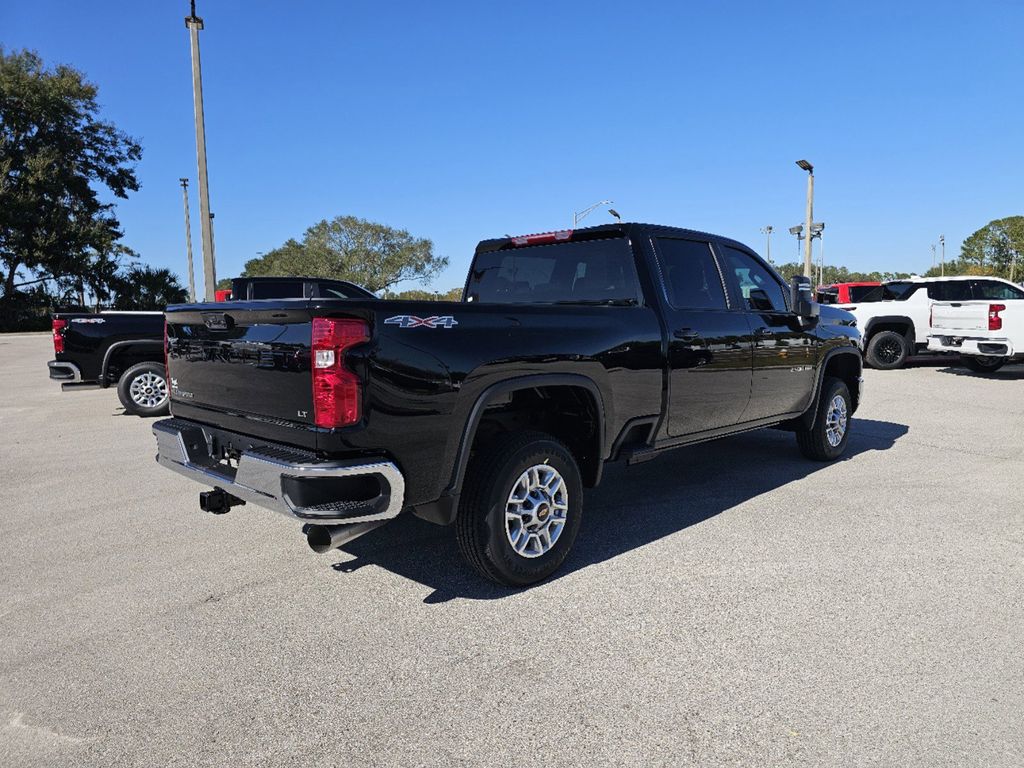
(55, 157)
(995, 249)
(372, 255)
(452, 294)
(146, 288)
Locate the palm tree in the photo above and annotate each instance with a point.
(146, 288)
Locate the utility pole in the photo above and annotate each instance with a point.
(808, 262)
(194, 24)
(767, 232)
(934, 263)
(188, 243)
(942, 242)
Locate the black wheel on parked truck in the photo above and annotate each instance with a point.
(143, 390)
(520, 508)
(983, 364)
(826, 439)
(887, 350)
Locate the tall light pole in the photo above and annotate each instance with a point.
(188, 243)
(194, 24)
(767, 232)
(934, 257)
(942, 242)
(578, 216)
(808, 265)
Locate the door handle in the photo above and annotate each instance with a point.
(686, 334)
(764, 332)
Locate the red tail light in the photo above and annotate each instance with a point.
(58, 334)
(542, 238)
(336, 389)
(995, 322)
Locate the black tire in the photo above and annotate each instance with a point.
(144, 401)
(814, 442)
(887, 350)
(491, 478)
(983, 364)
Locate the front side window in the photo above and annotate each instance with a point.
(858, 292)
(828, 296)
(950, 290)
(891, 292)
(585, 272)
(760, 290)
(692, 279)
(992, 289)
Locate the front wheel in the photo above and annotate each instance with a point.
(142, 390)
(520, 508)
(827, 437)
(983, 364)
(888, 350)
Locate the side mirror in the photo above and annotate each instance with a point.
(801, 299)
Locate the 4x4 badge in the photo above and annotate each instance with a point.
(411, 321)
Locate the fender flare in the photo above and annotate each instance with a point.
(512, 385)
(806, 419)
(157, 343)
(902, 319)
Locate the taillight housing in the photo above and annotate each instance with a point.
(58, 334)
(995, 322)
(336, 388)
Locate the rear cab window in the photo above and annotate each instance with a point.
(583, 272)
(950, 290)
(891, 292)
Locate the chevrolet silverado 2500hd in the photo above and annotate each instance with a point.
(569, 350)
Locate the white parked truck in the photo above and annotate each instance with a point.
(894, 318)
(987, 334)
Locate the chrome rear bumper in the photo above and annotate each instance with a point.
(285, 480)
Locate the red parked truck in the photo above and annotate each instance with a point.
(845, 293)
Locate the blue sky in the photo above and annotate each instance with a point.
(460, 121)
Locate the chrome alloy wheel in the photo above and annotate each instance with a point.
(835, 421)
(536, 510)
(148, 390)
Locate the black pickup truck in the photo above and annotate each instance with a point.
(126, 349)
(569, 350)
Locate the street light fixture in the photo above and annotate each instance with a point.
(803, 164)
(578, 216)
(767, 232)
(615, 213)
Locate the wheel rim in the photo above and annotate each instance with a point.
(835, 421)
(536, 511)
(148, 390)
(889, 350)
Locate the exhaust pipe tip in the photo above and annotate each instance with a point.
(324, 538)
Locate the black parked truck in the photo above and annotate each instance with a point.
(126, 349)
(569, 350)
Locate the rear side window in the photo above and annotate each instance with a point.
(587, 272)
(692, 279)
(950, 290)
(761, 292)
(274, 289)
(990, 289)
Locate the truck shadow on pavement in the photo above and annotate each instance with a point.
(1009, 373)
(669, 494)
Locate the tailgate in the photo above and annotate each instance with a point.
(960, 316)
(243, 358)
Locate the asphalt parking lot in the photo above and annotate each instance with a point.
(728, 604)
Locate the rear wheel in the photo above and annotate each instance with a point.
(520, 509)
(888, 350)
(142, 390)
(827, 437)
(983, 364)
